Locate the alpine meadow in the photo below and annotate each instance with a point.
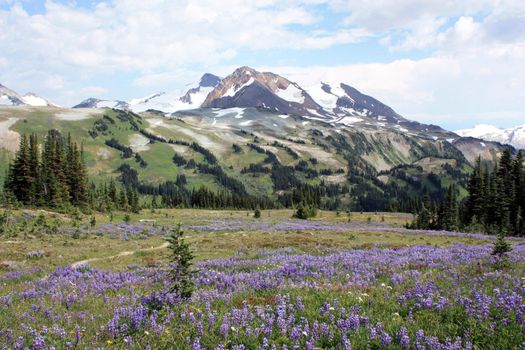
(279, 201)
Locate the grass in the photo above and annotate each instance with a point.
(63, 249)
(377, 299)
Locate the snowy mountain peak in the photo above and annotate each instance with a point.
(512, 136)
(247, 87)
(169, 102)
(11, 98)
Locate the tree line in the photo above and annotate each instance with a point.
(51, 175)
(495, 201)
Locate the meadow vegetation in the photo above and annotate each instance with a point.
(334, 281)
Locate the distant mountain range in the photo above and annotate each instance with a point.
(161, 101)
(512, 136)
(336, 103)
(261, 134)
(9, 97)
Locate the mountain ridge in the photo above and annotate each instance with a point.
(514, 136)
(9, 97)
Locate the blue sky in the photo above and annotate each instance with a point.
(455, 64)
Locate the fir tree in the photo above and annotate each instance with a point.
(20, 180)
(476, 189)
(53, 170)
(181, 260)
(36, 191)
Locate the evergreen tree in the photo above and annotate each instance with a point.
(112, 191)
(425, 218)
(123, 200)
(36, 191)
(20, 179)
(501, 248)
(518, 203)
(53, 170)
(181, 260)
(476, 189)
(76, 174)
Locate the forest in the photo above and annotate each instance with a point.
(53, 175)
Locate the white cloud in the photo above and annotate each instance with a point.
(136, 35)
(453, 90)
(469, 60)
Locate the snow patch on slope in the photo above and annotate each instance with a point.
(323, 98)
(236, 112)
(291, 94)
(234, 89)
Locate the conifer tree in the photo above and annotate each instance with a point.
(20, 180)
(53, 170)
(476, 189)
(181, 260)
(35, 166)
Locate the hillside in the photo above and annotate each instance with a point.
(254, 136)
(369, 163)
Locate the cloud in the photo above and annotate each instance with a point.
(129, 35)
(452, 90)
(445, 58)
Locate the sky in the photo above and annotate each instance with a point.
(445, 62)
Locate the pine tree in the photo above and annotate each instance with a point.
(53, 170)
(20, 177)
(476, 189)
(134, 201)
(500, 249)
(181, 260)
(518, 203)
(112, 191)
(36, 190)
(123, 200)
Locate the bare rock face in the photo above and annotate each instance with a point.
(246, 87)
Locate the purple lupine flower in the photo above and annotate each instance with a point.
(346, 343)
(197, 344)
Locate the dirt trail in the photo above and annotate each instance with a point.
(121, 254)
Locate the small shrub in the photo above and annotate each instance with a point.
(500, 250)
(305, 212)
(76, 234)
(257, 214)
